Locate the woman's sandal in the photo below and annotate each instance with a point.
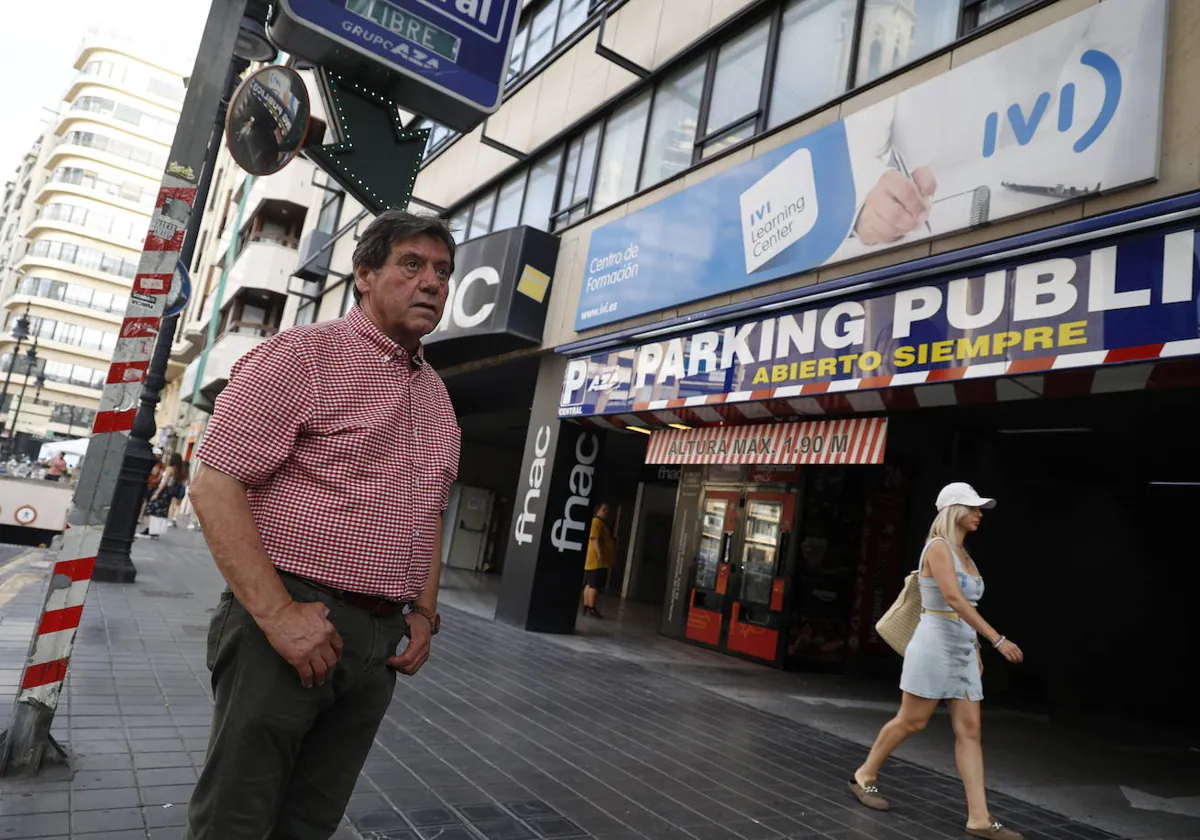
(868, 795)
(995, 831)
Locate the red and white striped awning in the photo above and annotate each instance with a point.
(771, 403)
(855, 440)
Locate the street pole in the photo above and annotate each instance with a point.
(20, 332)
(113, 562)
(28, 739)
(32, 356)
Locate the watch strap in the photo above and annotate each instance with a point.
(431, 616)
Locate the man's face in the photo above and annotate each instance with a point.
(406, 295)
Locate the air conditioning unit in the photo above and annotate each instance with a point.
(314, 262)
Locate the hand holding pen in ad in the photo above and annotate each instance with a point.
(898, 204)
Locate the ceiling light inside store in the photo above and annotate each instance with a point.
(1066, 430)
(1174, 483)
(679, 426)
(638, 429)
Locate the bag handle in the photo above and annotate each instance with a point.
(925, 550)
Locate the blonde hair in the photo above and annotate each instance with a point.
(945, 524)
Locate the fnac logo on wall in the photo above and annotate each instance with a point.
(1024, 127)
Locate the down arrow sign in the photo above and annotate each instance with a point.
(375, 158)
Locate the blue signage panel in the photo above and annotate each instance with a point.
(1067, 111)
(458, 47)
(1105, 303)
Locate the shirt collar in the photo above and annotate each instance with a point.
(365, 328)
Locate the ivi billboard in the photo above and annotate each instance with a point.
(1071, 110)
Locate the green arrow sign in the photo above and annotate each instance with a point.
(375, 159)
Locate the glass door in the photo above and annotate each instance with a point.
(707, 606)
(756, 614)
(760, 550)
(712, 542)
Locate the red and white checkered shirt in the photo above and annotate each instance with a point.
(346, 452)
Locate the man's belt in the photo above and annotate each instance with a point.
(377, 606)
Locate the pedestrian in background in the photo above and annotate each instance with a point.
(601, 556)
(943, 660)
(57, 467)
(171, 482)
(332, 553)
(179, 490)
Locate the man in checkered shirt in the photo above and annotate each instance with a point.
(326, 467)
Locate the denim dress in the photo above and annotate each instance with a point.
(941, 662)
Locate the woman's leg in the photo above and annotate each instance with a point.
(914, 714)
(968, 751)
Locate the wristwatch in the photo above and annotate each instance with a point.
(434, 619)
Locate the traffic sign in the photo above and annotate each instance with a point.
(375, 159)
(181, 290)
(445, 59)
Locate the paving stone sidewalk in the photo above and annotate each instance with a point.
(504, 735)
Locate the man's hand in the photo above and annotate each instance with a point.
(416, 652)
(303, 635)
(896, 205)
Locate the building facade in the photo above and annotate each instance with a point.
(813, 259)
(74, 239)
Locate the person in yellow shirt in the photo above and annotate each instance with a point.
(601, 556)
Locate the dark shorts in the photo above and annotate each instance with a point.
(595, 578)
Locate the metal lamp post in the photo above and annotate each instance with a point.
(113, 562)
(31, 360)
(20, 332)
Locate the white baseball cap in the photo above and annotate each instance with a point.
(961, 493)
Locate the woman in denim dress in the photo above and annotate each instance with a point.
(942, 661)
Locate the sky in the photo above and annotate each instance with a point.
(38, 41)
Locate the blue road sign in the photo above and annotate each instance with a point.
(457, 50)
(181, 290)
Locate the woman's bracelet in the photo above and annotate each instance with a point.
(1001, 640)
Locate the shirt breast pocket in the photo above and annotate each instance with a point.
(341, 445)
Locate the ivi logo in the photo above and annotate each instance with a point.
(760, 214)
(1024, 126)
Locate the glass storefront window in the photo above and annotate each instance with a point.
(620, 152)
(672, 137)
(812, 59)
(897, 32)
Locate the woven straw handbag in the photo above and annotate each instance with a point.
(898, 624)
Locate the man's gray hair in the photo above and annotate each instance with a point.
(392, 226)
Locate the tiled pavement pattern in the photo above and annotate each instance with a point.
(503, 736)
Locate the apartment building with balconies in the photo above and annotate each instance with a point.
(76, 240)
